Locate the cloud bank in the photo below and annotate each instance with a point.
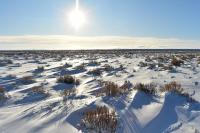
(62, 42)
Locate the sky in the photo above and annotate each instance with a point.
(35, 24)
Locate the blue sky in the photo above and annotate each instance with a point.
(133, 18)
(155, 18)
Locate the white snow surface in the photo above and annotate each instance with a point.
(138, 112)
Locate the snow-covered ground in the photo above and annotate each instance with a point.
(26, 111)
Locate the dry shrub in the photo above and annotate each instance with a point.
(113, 89)
(126, 86)
(100, 119)
(148, 59)
(2, 90)
(107, 67)
(121, 67)
(142, 64)
(151, 66)
(27, 80)
(2, 93)
(80, 67)
(176, 87)
(68, 79)
(5, 62)
(176, 62)
(95, 72)
(147, 88)
(198, 60)
(67, 65)
(68, 92)
(173, 86)
(40, 68)
(93, 63)
(168, 67)
(12, 76)
(39, 90)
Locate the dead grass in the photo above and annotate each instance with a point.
(173, 86)
(2, 90)
(68, 92)
(176, 62)
(147, 88)
(40, 68)
(112, 89)
(39, 90)
(80, 67)
(95, 72)
(68, 79)
(107, 67)
(100, 119)
(177, 88)
(93, 63)
(27, 80)
(142, 64)
(2, 93)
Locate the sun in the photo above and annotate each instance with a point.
(77, 18)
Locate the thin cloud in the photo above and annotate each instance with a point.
(95, 42)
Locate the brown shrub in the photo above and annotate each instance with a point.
(80, 67)
(142, 64)
(100, 119)
(93, 63)
(40, 68)
(147, 88)
(126, 86)
(173, 86)
(67, 65)
(68, 79)
(2, 93)
(68, 92)
(39, 90)
(107, 67)
(95, 72)
(176, 87)
(27, 80)
(176, 62)
(2, 90)
(113, 89)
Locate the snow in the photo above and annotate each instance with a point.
(138, 112)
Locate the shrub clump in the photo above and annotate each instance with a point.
(142, 64)
(68, 79)
(3, 93)
(177, 88)
(5, 62)
(173, 86)
(40, 69)
(100, 119)
(81, 67)
(95, 72)
(67, 65)
(93, 63)
(113, 89)
(68, 92)
(107, 67)
(39, 90)
(27, 80)
(147, 88)
(176, 62)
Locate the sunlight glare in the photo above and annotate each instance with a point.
(77, 17)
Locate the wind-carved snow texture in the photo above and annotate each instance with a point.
(33, 100)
